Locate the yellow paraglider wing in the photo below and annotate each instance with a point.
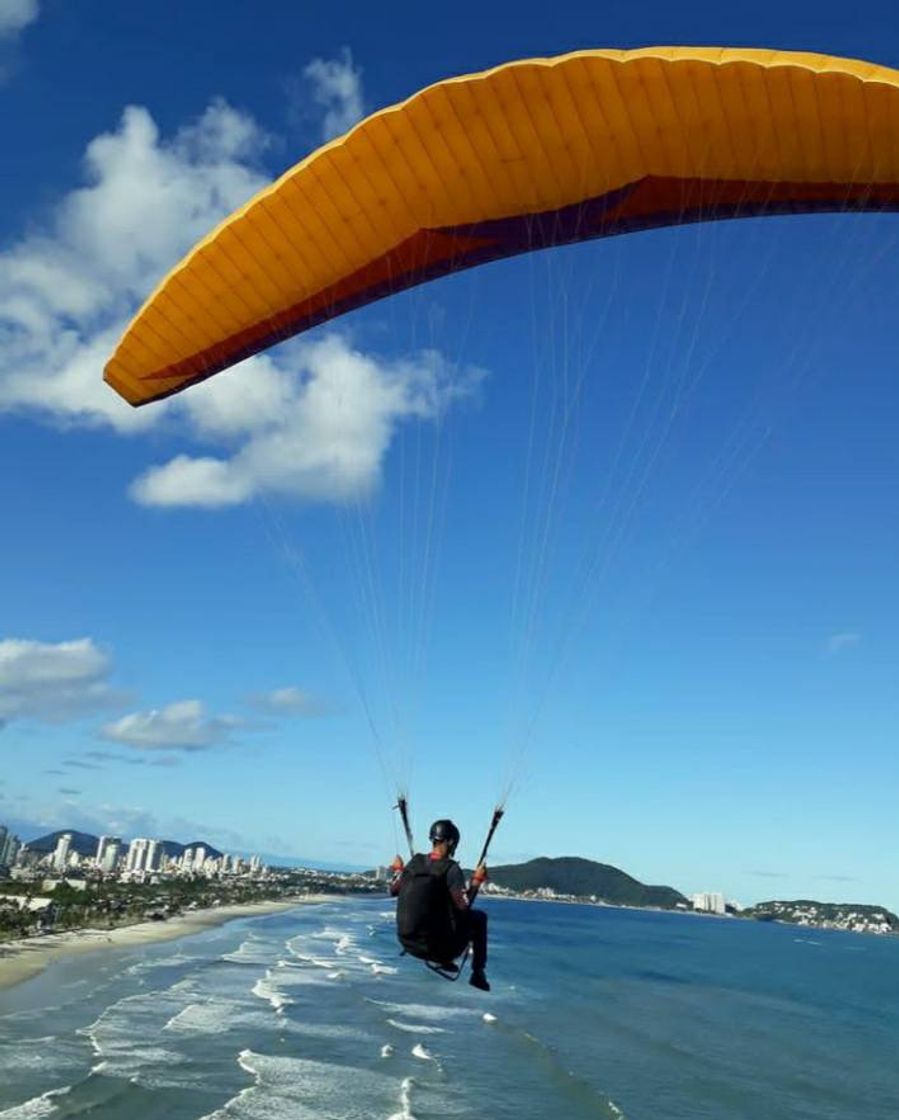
(531, 154)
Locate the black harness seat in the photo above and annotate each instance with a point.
(426, 922)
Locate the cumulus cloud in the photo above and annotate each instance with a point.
(318, 434)
(336, 87)
(182, 726)
(15, 16)
(312, 421)
(51, 682)
(290, 701)
(67, 290)
(838, 643)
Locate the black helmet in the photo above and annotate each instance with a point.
(444, 830)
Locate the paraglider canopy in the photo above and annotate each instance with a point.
(525, 156)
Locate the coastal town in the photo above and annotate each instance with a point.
(69, 880)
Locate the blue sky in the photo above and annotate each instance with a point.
(683, 653)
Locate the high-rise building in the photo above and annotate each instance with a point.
(199, 857)
(61, 854)
(9, 851)
(154, 855)
(9, 848)
(102, 844)
(712, 902)
(112, 853)
(136, 859)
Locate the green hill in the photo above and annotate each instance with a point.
(570, 875)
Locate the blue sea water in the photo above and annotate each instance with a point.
(595, 1012)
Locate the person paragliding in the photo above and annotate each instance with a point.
(435, 919)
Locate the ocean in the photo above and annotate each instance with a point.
(595, 1012)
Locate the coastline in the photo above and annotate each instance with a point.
(22, 960)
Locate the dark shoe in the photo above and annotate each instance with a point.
(479, 980)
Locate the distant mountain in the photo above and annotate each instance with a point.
(174, 850)
(82, 842)
(585, 878)
(86, 845)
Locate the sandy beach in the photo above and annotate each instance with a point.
(20, 960)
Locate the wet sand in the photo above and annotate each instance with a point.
(20, 960)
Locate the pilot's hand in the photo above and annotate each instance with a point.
(480, 874)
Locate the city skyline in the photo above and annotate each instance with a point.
(136, 859)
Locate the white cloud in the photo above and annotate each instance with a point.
(319, 436)
(337, 89)
(289, 701)
(837, 643)
(67, 291)
(182, 726)
(15, 16)
(52, 682)
(312, 421)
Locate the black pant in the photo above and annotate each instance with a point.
(471, 928)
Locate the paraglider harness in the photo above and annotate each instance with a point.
(426, 921)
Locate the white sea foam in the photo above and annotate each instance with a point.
(428, 1012)
(34, 1109)
(127, 1037)
(488, 1018)
(52, 1057)
(383, 970)
(415, 1028)
(405, 1112)
(254, 950)
(37, 1107)
(301, 1089)
(266, 988)
(173, 961)
(386, 1050)
(419, 1051)
(330, 1030)
(214, 1016)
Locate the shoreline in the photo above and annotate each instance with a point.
(25, 959)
